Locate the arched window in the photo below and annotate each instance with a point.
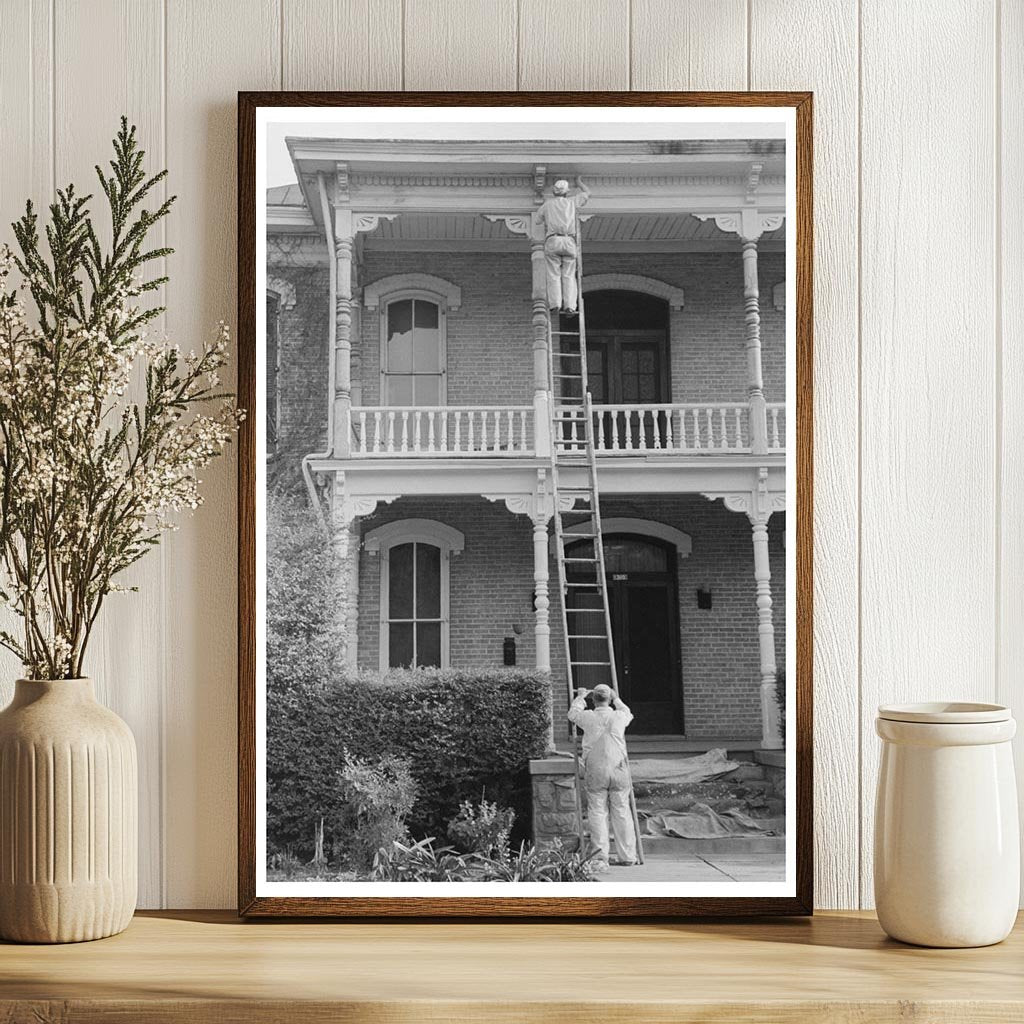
(414, 591)
(627, 554)
(413, 350)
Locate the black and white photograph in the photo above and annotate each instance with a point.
(525, 603)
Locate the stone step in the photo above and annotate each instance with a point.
(662, 845)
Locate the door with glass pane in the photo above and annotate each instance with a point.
(627, 368)
(412, 365)
(643, 606)
(415, 602)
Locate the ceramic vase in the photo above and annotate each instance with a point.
(947, 847)
(68, 815)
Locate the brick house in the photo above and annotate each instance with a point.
(407, 373)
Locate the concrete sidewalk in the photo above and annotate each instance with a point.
(708, 867)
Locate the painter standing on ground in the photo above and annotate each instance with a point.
(606, 771)
(557, 219)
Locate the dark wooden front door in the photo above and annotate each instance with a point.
(626, 368)
(643, 606)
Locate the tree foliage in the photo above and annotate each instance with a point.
(304, 628)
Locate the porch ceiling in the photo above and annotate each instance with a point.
(474, 231)
(644, 188)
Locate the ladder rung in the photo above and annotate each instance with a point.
(590, 536)
(566, 334)
(588, 636)
(569, 355)
(598, 584)
(588, 611)
(579, 559)
(589, 662)
(568, 376)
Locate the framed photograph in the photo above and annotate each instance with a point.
(525, 504)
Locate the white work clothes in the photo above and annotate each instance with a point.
(557, 217)
(606, 777)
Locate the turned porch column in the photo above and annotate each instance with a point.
(539, 506)
(356, 343)
(530, 226)
(758, 504)
(771, 735)
(755, 373)
(749, 225)
(542, 388)
(541, 601)
(344, 238)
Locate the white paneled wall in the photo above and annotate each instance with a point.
(919, 323)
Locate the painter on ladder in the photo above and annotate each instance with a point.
(606, 772)
(558, 222)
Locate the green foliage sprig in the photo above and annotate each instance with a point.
(90, 477)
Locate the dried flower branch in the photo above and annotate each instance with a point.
(89, 478)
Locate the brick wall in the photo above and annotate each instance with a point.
(492, 588)
(489, 338)
(302, 378)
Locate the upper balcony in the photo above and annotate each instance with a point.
(508, 431)
(432, 269)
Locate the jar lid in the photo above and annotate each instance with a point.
(945, 713)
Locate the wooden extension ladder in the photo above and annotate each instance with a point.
(586, 625)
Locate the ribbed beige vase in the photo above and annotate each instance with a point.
(68, 814)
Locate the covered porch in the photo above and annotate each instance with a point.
(690, 581)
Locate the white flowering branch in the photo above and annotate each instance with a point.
(89, 478)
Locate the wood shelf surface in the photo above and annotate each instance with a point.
(203, 967)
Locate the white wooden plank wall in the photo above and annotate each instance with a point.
(919, 294)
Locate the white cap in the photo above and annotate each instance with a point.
(603, 689)
(561, 183)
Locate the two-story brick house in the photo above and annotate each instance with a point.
(408, 374)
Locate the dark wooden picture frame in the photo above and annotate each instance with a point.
(800, 726)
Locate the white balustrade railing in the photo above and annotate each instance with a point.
(679, 427)
(496, 430)
(507, 430)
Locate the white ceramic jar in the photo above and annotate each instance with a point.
(947, 846)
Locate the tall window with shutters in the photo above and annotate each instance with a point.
(413, 351)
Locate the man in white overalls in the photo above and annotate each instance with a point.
(558, 222)
(606, 771)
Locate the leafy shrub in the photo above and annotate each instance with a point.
(423, 862)
(378, 795)
(284, 862)
(539, 864)
(482, 828)
(304, 637)
(461, 733)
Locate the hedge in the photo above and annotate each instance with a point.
(463, 734)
